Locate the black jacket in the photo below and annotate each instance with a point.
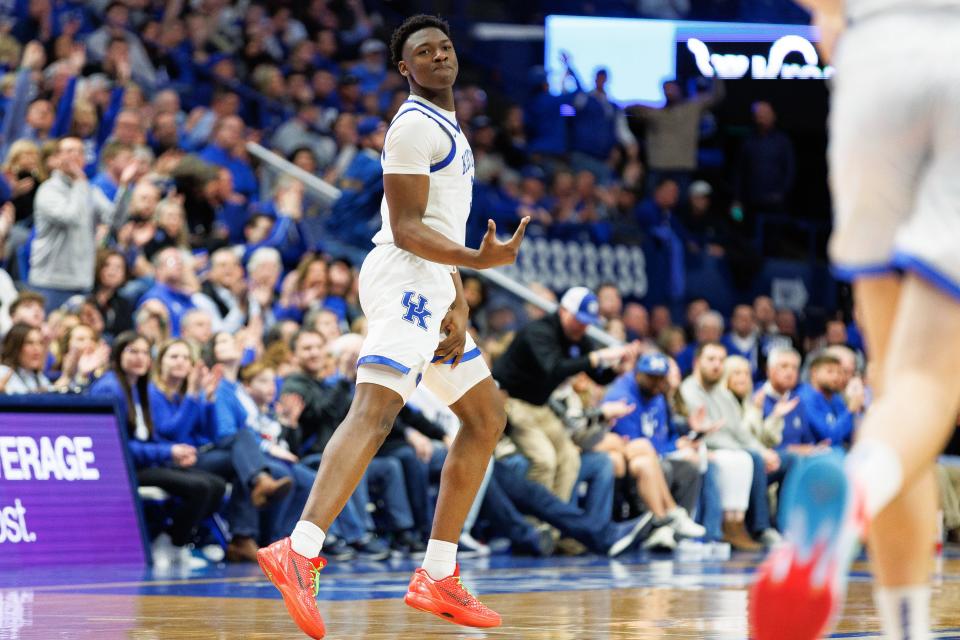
(541, 357)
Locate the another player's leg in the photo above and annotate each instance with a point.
(828, 509)
(293, 564)
(436, 587)
(901, 559)
(915, 417)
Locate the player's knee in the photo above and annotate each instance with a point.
(371, 419)
(489, 421)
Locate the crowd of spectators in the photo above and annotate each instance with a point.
(148, 258)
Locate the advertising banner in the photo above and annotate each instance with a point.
(66, 492)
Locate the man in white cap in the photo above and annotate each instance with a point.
(542, 355)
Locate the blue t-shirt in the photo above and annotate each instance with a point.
(650, 419)
(829, 418)
(796, 426)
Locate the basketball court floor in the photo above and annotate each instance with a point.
(636, 596)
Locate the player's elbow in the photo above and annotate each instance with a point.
(404, 236)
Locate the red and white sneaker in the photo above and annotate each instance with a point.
(449, 599)
(801, 586)
(298, 579)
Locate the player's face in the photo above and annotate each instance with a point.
(429, 58)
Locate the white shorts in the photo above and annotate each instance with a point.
(405, 298)
(895, 149)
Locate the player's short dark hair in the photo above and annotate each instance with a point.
(410, 26)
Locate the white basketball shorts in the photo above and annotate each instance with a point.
(895, 149)
(405, 298)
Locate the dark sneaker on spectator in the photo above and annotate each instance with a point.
(337, 549)
(541, 542)
(371, 548)
(628, 533)
(408, 542)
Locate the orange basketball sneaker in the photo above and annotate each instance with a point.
(298, 579)
(449, 599)
(800, 587)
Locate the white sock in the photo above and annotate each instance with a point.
(307, 539)
(440, 560)
(904, 612)
(876, 467)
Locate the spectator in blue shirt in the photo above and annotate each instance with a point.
(599, 126)
(372, 71)
(545, 121)
(663, 244)
(744, 339)
(708, 327)
(780, 399)
(225, 150)
(238, 453)
(664, 465)
(170, 464)
(115, 157)
(355, 216)
(854, 391)
(169, 287)
(277, 223)
(822, 400)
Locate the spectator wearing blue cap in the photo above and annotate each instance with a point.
(542, 356)
(665, 465)
(354, 217)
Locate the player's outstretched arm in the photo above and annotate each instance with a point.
(407, 201)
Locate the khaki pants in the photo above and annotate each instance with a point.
(541, 437)
(949, 481)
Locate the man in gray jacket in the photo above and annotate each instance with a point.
(67, 212)
(707, 388)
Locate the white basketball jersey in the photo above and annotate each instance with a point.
(425, 139)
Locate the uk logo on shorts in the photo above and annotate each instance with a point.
(416, 309)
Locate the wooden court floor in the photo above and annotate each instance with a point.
(565, 600)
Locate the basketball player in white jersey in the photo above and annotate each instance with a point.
(894, 162)
(412, 296)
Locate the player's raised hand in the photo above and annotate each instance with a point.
(493, 252)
